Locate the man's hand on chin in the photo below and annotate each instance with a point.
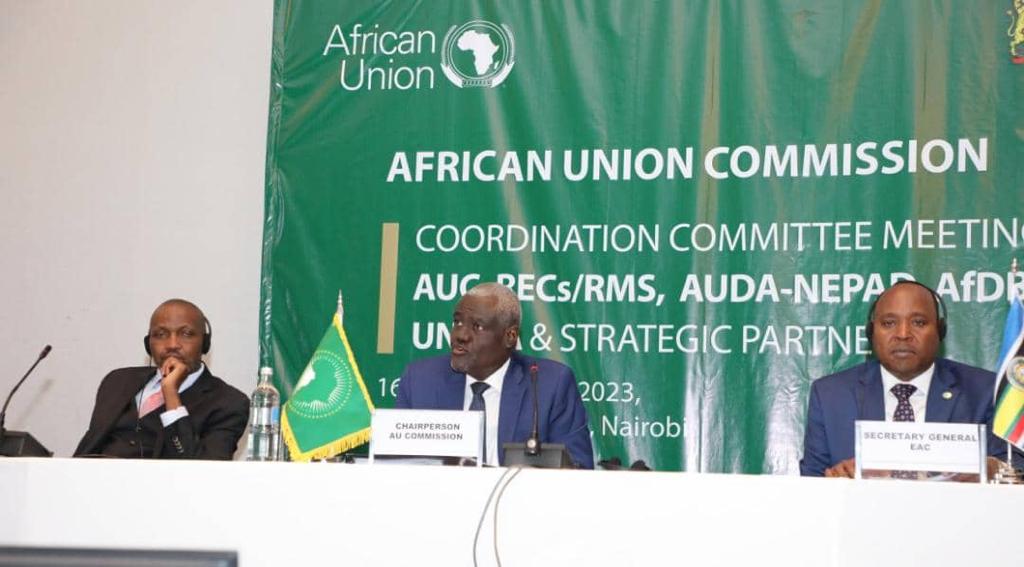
(174, 371)
(843, 469)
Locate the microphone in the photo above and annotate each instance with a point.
(3, 413)
(532, 453)
(533, 442)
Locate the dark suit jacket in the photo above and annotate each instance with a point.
(217, 416)
(838, 400)
(432, 384)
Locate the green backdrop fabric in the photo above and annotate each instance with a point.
(696, 201)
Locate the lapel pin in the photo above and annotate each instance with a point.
(947, 395)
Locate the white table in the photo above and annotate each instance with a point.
(405, 515)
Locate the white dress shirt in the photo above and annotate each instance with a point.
(492, 403)
(918, 400)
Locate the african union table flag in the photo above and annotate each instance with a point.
(1009, 417)
(329, 409)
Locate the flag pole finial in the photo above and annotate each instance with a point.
(341, 307)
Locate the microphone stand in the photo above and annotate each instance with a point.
(21, 443)
(533, 441)
(532, 453)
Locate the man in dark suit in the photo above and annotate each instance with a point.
(175, 410)
(484, 371)
(907, 383)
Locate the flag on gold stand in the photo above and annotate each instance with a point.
(329, 410)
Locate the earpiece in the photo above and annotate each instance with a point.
(208, 335)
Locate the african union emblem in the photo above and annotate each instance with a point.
(478, 54)
(329, 410)
(1016, 32)
(324, 388)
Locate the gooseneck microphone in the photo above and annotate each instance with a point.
(3, 413)
(533, 442)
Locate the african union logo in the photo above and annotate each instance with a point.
(324, 387)
(478, 54)
(1016, 32)
(1015, 373)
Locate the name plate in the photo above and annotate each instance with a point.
(926, 447)
(427, 433)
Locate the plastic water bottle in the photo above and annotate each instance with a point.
(265, 420)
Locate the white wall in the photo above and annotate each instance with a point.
(132, 146)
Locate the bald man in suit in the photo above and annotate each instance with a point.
(175, 409)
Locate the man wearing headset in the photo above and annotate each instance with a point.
(175, 409)
(908, 382)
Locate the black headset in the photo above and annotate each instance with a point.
(940, 310)
(207, 338)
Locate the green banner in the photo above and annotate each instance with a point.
(695, 201)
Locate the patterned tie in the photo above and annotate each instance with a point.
(477, 404)
(155, 400)
(904, 412)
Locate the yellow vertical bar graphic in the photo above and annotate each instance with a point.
(388, 287)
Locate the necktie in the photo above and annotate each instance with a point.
(477, 404)
(155, 400)
(904, 412)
